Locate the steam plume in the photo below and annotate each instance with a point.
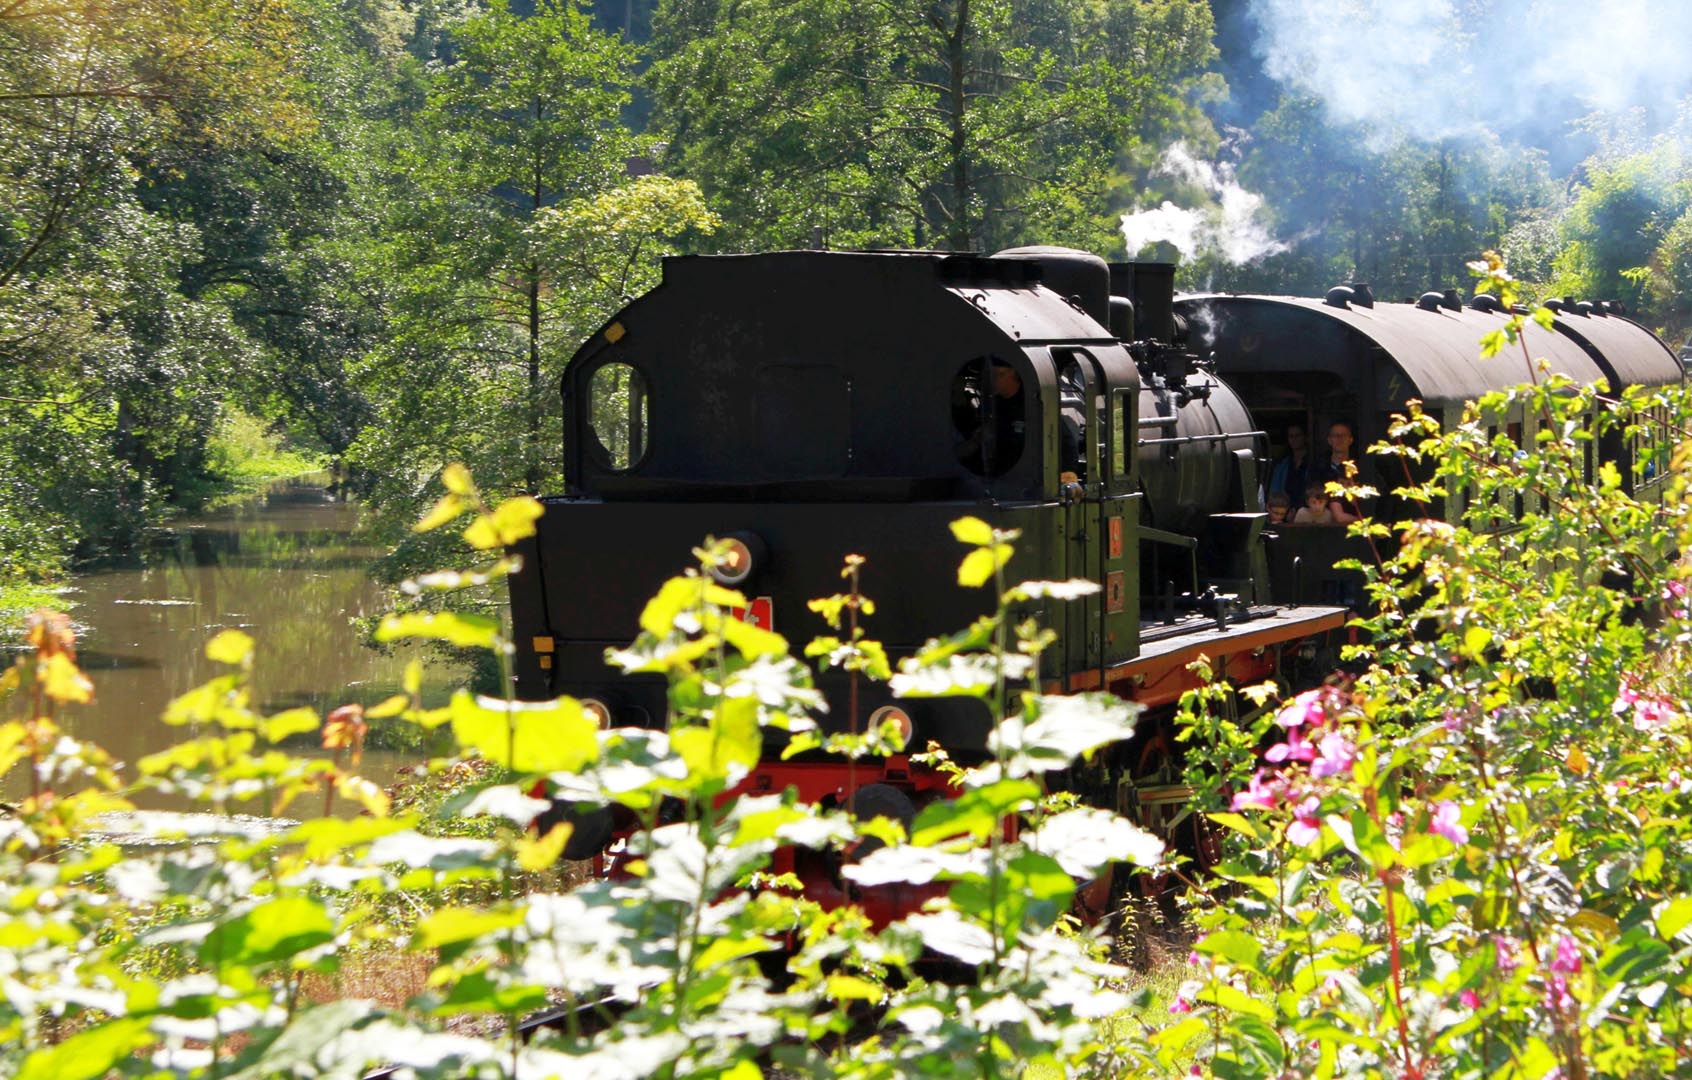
(1435, 69)
(1227, 225)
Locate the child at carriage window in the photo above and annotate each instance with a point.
(1315, 509)
(1279, 506)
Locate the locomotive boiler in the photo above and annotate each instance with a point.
(808, 405)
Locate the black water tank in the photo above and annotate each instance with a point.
(1071, 273)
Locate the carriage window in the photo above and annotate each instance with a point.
(616, 414)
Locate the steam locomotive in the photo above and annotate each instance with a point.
(806, 405)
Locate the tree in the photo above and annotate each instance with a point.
(966, 123)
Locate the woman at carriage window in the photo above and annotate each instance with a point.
(1340, 468)
(1291, 471)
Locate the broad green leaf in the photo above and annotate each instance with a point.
(64, 681)
(289, 722)
(230, 647)
(535, 854)
(1492, 344)
(852, 988)
(730, 947)
(450, 506)
(974, 531)
(1237, 822)
(510, 522)
(726, 747)
(465, 631)
(673, 597)
(1675, 917)
(975, 813)
(392, 706)
(274, 930)
(1239, 949)
(88, 1054)
(456, 479)
(526, 736)
(979, 565)
(295, 1052)
(458, 925)
(479, 992)
(752, 641)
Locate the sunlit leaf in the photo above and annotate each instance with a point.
(979, 565)
(392, 706)
(456, 479)
(63, 681)
(274, 930)
(513, 520)
(458, 925)
(450, 506)
(465, 631)
(535, 854)
(289, 722)
(973, 531)
(975, 813)
(526, 736)
(230, 647)
(88, 1054)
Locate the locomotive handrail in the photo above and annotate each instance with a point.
(1174, 440)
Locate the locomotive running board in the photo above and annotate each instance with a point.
(1147, 677)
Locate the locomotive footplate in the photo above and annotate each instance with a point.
(1242, 651)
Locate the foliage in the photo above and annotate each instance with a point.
(1472, 859)
(235, 926)
(968, 125)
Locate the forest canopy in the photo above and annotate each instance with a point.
(379, 228)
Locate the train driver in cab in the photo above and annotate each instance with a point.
(992, 418)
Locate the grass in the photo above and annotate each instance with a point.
(17, 599)
(243, 457)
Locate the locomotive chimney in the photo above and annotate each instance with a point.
(1362, 295)
(1150, 286)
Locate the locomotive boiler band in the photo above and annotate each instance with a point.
(815, 404)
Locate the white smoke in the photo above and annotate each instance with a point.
(1225, 225)
(1434, 69)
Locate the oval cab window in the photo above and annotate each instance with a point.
(617, 414)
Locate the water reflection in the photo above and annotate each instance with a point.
(284, 568)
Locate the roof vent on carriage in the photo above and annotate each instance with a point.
(1339, 296)
(1362, 295)
(1486, 302)
(1430, 301)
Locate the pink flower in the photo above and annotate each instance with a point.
(1260, 795)
(1557, 996)
(1470, 999)
(1337, 754)
(1294, 749)
(1306, 708)
(1180, 1005)
(1305, 827)
(1650, 712)
(1567, 959)
(1454, 724)
(1508, 954)
(1193, 958)
(1445, 821)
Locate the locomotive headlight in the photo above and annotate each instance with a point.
(742, 553)
(899, 717)
(598, 712)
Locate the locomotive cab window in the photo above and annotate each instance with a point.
(990, 415)
(616, 414)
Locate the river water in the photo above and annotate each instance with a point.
(286, 568)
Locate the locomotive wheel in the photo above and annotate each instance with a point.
(879, 800)
(590, 830)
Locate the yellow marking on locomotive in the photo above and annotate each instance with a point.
(544, 645)
(615, 332)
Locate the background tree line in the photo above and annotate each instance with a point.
(382, 226)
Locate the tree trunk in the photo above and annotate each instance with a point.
(956, 54)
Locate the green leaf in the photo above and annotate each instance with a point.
(465, 631)
(728, 746)
(1545, 317)
(230, 647)
(526, 736)
(455, 926)
(513, 520)
(1237, 822)
(979, 565)
(1492, 344)
(752, 641)
(456, 479)
(289, 722)
(1675, 917)
(974, 531)
(274, 930)
(449, 507)
(975, 813)
(1239, 949)
(295, 1051)
(674, 597)
(478, 992)
(88, 1054)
